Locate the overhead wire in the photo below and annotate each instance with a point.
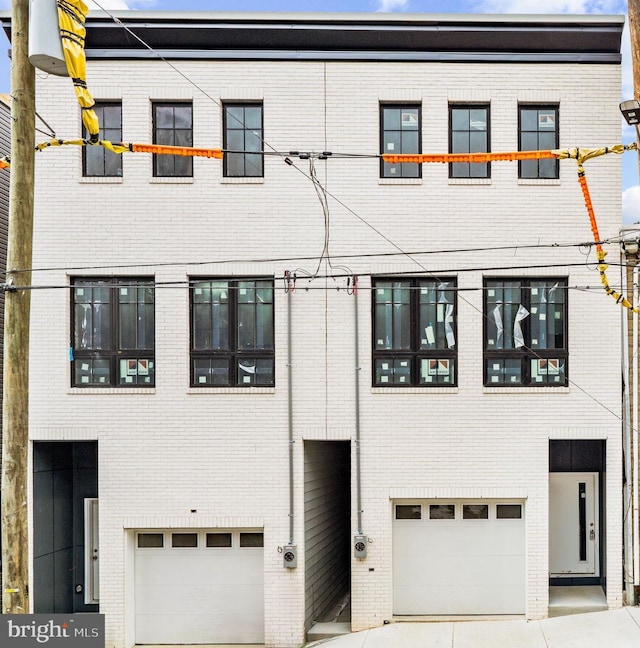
(323, 192)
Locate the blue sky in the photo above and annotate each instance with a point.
(631, 194)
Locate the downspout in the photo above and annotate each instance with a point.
(626, 272)
(290, 414)
(357, 409)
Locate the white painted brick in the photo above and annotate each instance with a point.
(167, 450)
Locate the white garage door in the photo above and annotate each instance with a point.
(199, 587)
(458, 557)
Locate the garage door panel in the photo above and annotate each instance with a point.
(453, 599)
(218, 602)
(199, 595)
(227, 630)
(171, 568)
(459, 566)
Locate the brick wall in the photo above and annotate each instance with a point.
(224, 452)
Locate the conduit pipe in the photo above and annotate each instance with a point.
(290, 415)
(357, 411)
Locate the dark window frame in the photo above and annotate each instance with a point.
(233, 354)
(525, 355)
(231, 124)
(171, 166)
(407, 169)
(112, 358)
(469, 170)
(102, 156)
(416, 353)
(525, 165)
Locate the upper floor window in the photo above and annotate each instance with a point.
(113, 332)
(173, 126)
(469, 133)
(400, 129)
(243, 132)
(538, 131)
(414, 332)
(525, 332)
(232, 332)
(97, 161)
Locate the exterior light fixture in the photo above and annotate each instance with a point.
(631, 111)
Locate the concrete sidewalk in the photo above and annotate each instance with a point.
(608, 629)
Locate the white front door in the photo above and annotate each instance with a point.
(573, 524)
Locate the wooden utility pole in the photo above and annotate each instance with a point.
(634, 32)
(15, 412)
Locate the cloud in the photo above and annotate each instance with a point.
(391, 5)
(553, 6)
(631, 205)
(117, 5)
(107, 4)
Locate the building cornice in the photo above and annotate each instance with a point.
(350, 36)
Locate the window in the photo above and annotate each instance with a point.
(173, 126)
(475, 512)
(400, 129)
(97, 161)
(525, 332)
(408, 512)
(232, 333)
(251, 540)
(509, 511)
(469, 133)
(218, 540)
(180, 540)
(538, 131)
(442, 511)
(414, 332)
(150, 540)
(243, 132)
(112, 341)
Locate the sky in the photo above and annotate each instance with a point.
(630, 182)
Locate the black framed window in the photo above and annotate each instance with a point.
(232, 332)
(525, 332)
(244, 133)
(400, 132)
(113, 332)
(414, 332)
(469, 132)
(97, 161)
(538, 131)
(173, 126)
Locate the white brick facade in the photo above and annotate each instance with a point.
(171, 449)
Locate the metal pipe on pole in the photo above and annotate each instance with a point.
(15, 407)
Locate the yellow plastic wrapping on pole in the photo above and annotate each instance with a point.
(71, 18)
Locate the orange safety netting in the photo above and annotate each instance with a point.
(580, 155)
(163, 149)
(469, 157)
(125, 147)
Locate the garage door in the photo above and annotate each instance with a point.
(199, 587)
(458, 557)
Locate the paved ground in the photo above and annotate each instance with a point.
(609, 629)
